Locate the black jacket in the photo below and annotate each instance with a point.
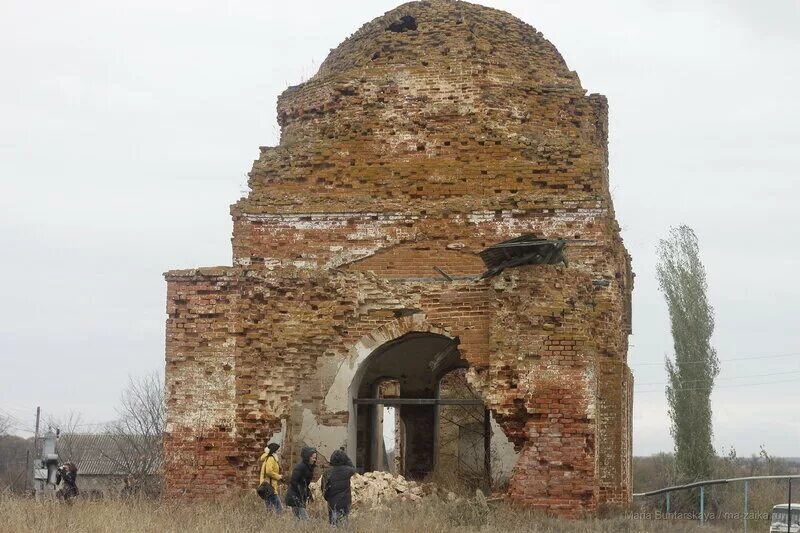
(337, 481)
(68, 479)
(298, 493)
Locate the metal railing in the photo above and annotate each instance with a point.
(703, 484)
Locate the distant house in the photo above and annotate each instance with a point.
(107, 464)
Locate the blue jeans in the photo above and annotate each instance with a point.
(337, 517)
(300, 513)
(273, 504)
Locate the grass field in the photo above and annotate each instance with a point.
(247, 514)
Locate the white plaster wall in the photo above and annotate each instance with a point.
(504, 457)
(326, 439)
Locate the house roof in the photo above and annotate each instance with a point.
(107, 454)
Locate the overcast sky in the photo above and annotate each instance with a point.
(127, 129)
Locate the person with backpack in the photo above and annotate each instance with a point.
(336, 487)
(298, 495)
(269, 477)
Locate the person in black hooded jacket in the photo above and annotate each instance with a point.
(298, 495)
(336, 487)
(67, 476)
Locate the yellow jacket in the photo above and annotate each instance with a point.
(270, 470)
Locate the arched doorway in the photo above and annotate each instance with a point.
(404, 374)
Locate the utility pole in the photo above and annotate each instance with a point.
(35, 448)
(27, 469)
(36, 433)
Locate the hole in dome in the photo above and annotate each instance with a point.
(405, 23)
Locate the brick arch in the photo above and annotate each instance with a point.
(338, 395)
(345, 383)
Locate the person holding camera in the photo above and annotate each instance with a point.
(67, 477)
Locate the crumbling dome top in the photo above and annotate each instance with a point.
(434, 102)
(434, 58)
(447, 36)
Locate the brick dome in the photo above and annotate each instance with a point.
(436, 106)
(465, 51)
(445, 35)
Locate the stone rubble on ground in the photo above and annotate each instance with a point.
(380, 489)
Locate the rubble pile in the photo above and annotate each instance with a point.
(376, 488)
(379, 489)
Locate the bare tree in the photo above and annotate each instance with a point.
(137, 434)
(13, 454)
(12, 464)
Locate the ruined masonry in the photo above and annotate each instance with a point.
(431, 134)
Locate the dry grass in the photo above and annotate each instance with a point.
(246, 514)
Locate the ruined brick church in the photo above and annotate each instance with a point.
(439, 202)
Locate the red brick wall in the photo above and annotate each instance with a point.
(418, 260)
(200, 367)
(405, 152)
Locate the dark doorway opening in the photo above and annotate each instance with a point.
(397, 406)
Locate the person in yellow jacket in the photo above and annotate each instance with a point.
(271, 473)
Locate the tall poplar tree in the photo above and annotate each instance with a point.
(682, 280)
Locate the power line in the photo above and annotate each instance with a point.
(725, 361)
(7, 413)
(20, 428)
(16, 421)
(723, 386)
(21, 425)
(16, 424)
(731, 377)
(85, 424)
(15, 411)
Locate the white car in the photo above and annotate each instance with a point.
(780, 519)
